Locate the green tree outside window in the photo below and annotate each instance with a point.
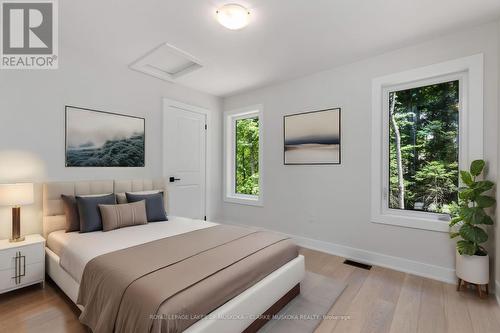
(423, 148)
(247, 156)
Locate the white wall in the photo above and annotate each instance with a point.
(332, 203)
(32, 124)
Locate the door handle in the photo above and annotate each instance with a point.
(173, 179)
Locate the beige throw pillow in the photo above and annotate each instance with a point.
(125, 215)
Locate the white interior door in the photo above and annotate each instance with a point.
(184, 159)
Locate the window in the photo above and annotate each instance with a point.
(247, 156)
(427, 124)
(423, 147)
(243, 156)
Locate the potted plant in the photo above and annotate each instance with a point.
(472, 260)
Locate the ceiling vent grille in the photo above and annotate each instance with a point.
(166, 62)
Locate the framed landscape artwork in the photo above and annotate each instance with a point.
(312, 137)
(103, 139)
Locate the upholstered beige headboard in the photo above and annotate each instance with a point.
(53, 212)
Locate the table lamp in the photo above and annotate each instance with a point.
(16, 195)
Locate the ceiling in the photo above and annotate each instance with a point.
(285, 38)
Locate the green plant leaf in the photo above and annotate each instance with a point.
(484, 201)
(473, 234)
(466, 178)
(476, 167)
(454, 234)
(477, 215)
(466, 248)
(482, 186)
(467, 194)
(487, 220)
(455, 220)
(466, 213)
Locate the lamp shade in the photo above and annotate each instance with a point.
(16, 194)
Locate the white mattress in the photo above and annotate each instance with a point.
(77, 249)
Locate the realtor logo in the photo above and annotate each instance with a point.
(29, 34)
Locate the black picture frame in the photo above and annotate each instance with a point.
(309, 112)
(66, 110)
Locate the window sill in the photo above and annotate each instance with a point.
(412, 222)
(244, 200)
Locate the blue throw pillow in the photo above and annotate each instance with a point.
(88, 210)
(155, 208)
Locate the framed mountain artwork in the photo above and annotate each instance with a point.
(103, 139)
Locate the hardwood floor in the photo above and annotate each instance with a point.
(378, 300)
(34, 309)
(383, 300)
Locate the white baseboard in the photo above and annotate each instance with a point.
(378, 259)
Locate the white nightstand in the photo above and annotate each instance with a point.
(22, 263)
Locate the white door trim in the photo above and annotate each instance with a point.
(167, 103)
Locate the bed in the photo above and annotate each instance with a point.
(69, 255)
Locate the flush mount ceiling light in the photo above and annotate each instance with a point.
(233, 16)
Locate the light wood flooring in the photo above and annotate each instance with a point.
(378, 300)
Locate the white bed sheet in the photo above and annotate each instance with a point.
(77, 249)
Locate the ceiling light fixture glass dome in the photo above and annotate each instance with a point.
(233, 16)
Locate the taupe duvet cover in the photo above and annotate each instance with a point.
(168, 284)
